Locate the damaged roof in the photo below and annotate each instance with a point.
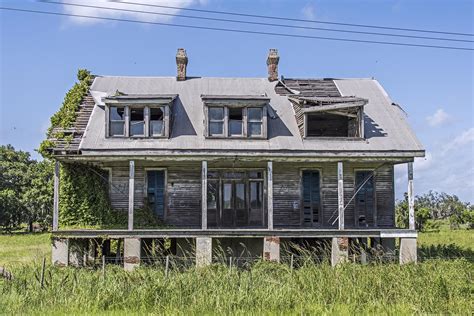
(386, 128)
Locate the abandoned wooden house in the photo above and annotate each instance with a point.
(254, 161)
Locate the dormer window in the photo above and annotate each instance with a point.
(333, 117)
(236, 116)
(139, 116)
(137, 121)
(117, 121)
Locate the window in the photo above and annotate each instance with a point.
(137, 122)
(156, 122)
(311, 198)
(235, 121)
(254, 118)
(327, 125)
(117, 121)
(216, 121)
(238, 122)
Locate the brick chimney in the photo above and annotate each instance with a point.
(181, 63)
(272, 64)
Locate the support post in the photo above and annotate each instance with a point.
(204, 195)
(131, 253)
(131, 194)
(411, 198)
(271, 248)
(270, 194)
(339, 250)
(203, 251)
(56, 197)
(60, 252)
(408, 250)
(340, 194)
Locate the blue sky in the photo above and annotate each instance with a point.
(41, 54)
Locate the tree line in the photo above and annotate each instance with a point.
(26, 198)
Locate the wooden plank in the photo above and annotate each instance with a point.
(56, 197)
(270, 194)
(340, 195)
(131, 194)
(204, 195)
(411, 198)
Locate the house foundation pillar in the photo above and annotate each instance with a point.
(132, 253)
(271, 248)
(408, 250)
(60, 252)
(339, 250)
(203, 251)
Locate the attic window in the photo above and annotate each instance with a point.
(156, 122)
(235, 121)
(137, 122)
(327, 125)
(117, 121)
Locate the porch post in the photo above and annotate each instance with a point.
(131, 193)
(340, 194)
(411, 198)
(204, 196)
(270, 194)
(56, 197)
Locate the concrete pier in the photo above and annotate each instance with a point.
(132, 253)
(60, 252)
(203, 251)
(408, 250)
(339, 250)
(271, 248)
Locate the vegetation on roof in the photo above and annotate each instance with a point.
(65, 117)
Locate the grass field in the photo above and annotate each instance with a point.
(438, 286)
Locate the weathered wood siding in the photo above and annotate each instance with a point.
(183, 192)
(287, 193)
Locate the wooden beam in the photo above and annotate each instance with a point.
(411, 198)
(333, 107)
(204, 195)
(270, 194)
(340, 194)
(131, 194)
(56, 197)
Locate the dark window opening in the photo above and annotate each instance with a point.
(365, 199)
(311, 198)
(327, 125)
(156, 122)
(156, 192)
(117, 121)
(235, 122)
(137, 122)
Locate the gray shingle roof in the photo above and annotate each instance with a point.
(386, 127)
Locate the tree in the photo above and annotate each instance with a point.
(26, 189)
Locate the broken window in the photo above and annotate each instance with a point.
(327, 125)
(235, 121)
(156, 122)
(137, 122)
(117, 121)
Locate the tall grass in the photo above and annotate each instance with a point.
(267, 288)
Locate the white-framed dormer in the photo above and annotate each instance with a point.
(235, 116)
(138, 116)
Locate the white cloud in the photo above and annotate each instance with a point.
(309, 11)
(463, 139)
(439, 118)
(117, 14)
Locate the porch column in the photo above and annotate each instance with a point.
(340, 194)
(270, 194)
(131, 193)
(411, 198)
(56, 197)
(204, 196)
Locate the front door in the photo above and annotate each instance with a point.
(156, 192)
(364, 203)
(311, 198)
